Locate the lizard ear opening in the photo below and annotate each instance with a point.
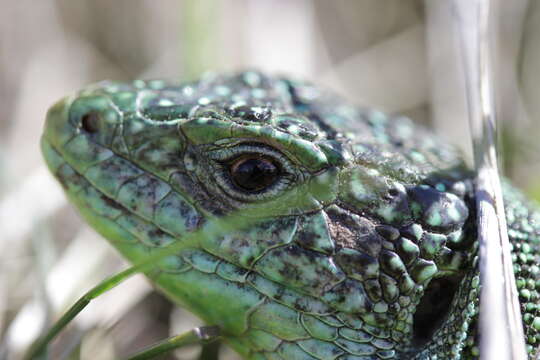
(433, 308)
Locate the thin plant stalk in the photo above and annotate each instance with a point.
(500, 316)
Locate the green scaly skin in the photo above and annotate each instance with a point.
(378, 261)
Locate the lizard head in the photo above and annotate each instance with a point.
(365, 216)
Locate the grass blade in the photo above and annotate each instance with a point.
(500, 317)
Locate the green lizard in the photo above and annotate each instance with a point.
(372, 257)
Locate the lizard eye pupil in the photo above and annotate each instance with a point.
(254, 174)
(90, 122)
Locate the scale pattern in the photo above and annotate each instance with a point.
(370, 252)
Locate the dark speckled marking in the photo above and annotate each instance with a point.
(313, 233)
(298, 266)
(388, 232)
(246, 247)
(408, 250)
(250, 113)
(357, 265)
(441, 211)
(352, 231)
(349, 297)
(392, 263)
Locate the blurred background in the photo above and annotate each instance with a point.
(400, 56)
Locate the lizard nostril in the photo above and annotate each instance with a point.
(90, 122)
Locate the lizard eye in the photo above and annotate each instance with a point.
(251, 171)
(254, 173)
(90, 122)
